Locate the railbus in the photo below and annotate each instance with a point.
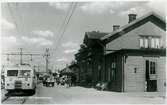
(20, 78)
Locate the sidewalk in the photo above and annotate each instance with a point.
(92, 96)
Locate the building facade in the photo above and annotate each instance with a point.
(90, 58)
(131, 58)
(137, 62)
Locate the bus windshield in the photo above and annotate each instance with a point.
(24, 73)
(12, 72)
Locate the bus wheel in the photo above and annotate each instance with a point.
(32, 92)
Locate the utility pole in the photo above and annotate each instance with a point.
(20, 53)
(46, 55)
(38, 68)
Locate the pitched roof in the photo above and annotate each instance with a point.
(95, 34)
(152, 16)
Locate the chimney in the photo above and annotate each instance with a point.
(132, 17)
(115, 27)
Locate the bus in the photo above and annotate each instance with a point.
(20, 78)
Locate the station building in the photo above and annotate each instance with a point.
(131, 58)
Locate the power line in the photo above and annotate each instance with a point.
(65, 27)
(20, 18)
(11, 12)
(65, 19)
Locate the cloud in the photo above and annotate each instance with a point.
(158, 6)
(46, 33)
(137, 10)
(38, 41)
(95, 7)
(8, 42)
(6, 24)
(60, 5)
(143, 8)
(70, 51)
(111, 7)
(10, 39)
(70, 44)
(62, 60)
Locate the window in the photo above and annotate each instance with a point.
(109, 74)
(157, 42)
(12, 72)
(146, 43)
(149, 42)
(141, 42)
(152, 43)
(152, 68)
(24, 73)
(113, 71)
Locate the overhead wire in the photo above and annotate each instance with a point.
(11, 12)
(20, 14)
(64, 21)
(67, 22)
(63, 26)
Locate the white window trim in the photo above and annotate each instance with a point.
(153, 42)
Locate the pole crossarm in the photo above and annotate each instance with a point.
(21, 53)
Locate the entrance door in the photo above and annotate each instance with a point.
(151, 77)
(152, 85)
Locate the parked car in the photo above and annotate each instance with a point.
(50, 81)
(44, 80)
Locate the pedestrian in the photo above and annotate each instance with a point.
(68, 82)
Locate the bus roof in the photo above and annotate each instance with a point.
(19, 67)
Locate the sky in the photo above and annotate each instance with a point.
(35, 26)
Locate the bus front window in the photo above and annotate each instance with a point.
(12, 72)
(24, 73)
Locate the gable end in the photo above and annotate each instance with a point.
(160, 23)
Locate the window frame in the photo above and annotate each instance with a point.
(113, 71)
(16, 72)
(141, 45)
(152, 68)
(156, 42)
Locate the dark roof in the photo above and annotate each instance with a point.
(152, 16)
(73, 65)
(95, 34)
(66, 69)
(91, 37)
(143, 52)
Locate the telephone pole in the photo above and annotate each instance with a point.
(20, 53)
(46, 55)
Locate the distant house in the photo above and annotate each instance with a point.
(135, 55)
(75, 70)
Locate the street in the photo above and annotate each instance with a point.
(80, 95)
